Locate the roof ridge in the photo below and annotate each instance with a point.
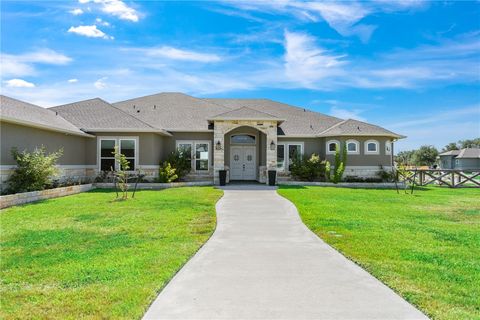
(334, 126)
(244, 107)
(136, 118)
(151, 95)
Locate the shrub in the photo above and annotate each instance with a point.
(167, 174)
(34, 169)
(340, 161)
(309, 169)
(386, 176)
(180, 162)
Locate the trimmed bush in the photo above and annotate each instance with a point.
(181, 163)
(308, 169)
(34, 170)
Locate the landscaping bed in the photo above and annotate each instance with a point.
(425, 246)
(91, 256)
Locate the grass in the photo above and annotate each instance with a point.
(86, 256)
(425, 246)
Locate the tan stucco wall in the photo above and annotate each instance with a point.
(362, 159)
(310, 145)
(22, 137)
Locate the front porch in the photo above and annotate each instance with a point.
(246, 149)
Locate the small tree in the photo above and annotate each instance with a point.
(340, 161)
(34, 170)
(121, 174)
(166, 173)
(181, 162)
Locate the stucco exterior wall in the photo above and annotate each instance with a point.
(310, 145)
(23, 137)
(467, 164)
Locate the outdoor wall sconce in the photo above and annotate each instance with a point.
(218, 145)
(272, 145)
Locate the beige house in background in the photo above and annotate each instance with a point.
(246, 137)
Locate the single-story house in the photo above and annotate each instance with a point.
(464, 159)
(246, 137)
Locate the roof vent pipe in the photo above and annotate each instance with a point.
(133, 106)
(154, 106)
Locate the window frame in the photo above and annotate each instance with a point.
(377, 147)
(287, 144)
(194, 153)
(388, 143)
(327, 146)
(117, 144)
(357, 146)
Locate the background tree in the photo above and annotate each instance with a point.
(425, 156)
(470, 143)
(405, 157)
(450, 146)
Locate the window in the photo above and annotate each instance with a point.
(281, 157)
(201, 156)
(198, 152)
(126, 146)
(332, 146)
(353, 147)
(294, 149)
(371, 147)
(243, 139)
(107, 158)
(388, 147)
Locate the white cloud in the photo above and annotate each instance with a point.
(23, 64)
(179, 54)
(116, 8)
(305, 62)
(103, 23)
(76, 11)
(72, 80)
(100, 83)
(18, 83)
(346, 113)
(89, 31)
(343, 17)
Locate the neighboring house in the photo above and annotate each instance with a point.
(247, 137)
(465, 159)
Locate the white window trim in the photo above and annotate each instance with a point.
(357, 146)
(117, 144)
(193, 142)
(327, 149)
(286, 145)
(388, 143)
(377, 144)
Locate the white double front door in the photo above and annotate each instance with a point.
(242, 163)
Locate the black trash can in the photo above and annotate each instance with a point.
(272, 176)
(223, 177)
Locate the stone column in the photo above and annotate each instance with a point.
(271, 133)
(218, 154)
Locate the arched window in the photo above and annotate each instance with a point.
(353, 147)
(332, 146)
(242, 139)
(371, 147)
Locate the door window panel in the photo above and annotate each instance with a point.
(281, 156)
(243, 139)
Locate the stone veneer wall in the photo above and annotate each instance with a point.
(221, 127)
(26, 197)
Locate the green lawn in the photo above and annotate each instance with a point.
(86, 256)
(425, 246)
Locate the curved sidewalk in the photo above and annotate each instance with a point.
(262, 262)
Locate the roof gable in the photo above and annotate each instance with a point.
(16, 111)
(99, 115)
(245, 113)
(351, 127)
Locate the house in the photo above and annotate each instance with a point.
(464, 159)
(246, 137)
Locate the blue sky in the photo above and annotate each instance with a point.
(410, 66)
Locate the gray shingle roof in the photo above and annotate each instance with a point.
(351, 127)
(172, 111)
(450, 153)
(98, 115)
(298, 121)
(245, 113)
(13, 110)
(469, 153)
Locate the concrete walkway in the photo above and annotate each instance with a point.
(263, 263)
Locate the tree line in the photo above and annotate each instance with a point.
(427, 155)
